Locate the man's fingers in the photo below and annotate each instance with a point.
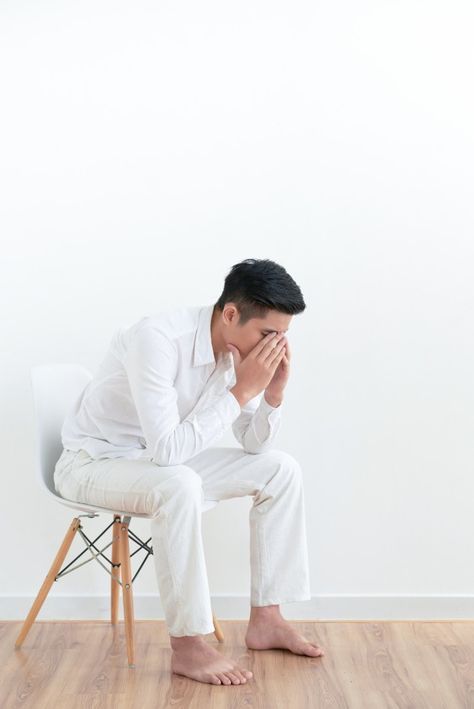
(265, 342)
(277, 359)
(275, 352)
(271, 348)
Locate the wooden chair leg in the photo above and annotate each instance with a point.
(49, 580)
(114, 585)
(217, 629)
(127, 592)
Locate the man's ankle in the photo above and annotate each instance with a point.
(185, 640)
(270, 611)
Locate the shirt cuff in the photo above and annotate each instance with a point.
(230, 410)
(268, 408)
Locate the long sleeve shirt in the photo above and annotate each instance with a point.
(160, 394)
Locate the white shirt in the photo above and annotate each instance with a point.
(159, 393)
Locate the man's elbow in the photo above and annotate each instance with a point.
(164, 455)
(250, 443)
(255, 447)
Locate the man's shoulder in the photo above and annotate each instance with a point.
(171, 323)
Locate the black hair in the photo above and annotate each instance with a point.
(259, 285)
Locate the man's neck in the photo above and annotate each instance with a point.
(218, 342)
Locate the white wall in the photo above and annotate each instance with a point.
(148, 146)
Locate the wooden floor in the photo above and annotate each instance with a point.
(416, 664)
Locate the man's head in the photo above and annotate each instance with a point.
(259, 297)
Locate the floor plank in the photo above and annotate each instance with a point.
(367, 665)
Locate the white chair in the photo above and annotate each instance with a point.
(55, 388)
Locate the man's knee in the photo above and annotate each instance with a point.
(184, 483)
(284, 461)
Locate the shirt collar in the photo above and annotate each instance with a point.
(203, 352)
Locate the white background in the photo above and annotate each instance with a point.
(146, 147)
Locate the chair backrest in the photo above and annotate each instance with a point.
(56, 387)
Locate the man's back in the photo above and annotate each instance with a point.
(163, 360)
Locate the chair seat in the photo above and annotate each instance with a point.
(85, 507)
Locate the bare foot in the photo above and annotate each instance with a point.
(266, 634)
(193, 657)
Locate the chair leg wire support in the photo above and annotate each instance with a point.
(90, 545)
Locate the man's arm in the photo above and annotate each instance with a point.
(151, 364)
(258, 424)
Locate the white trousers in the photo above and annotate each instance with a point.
(173, 496)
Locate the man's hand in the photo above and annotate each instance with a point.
(274, 391)
(255, 372)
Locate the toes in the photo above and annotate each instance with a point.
(233, 676)
(223, 678)
(307, 649)
(315, 650)
(307, 646)
(240, 675)
(215, 679)
(247, 673)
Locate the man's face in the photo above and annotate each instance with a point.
(245, 337)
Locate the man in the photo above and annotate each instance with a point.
(141, 438)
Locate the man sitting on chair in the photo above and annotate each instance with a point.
(142, 435)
